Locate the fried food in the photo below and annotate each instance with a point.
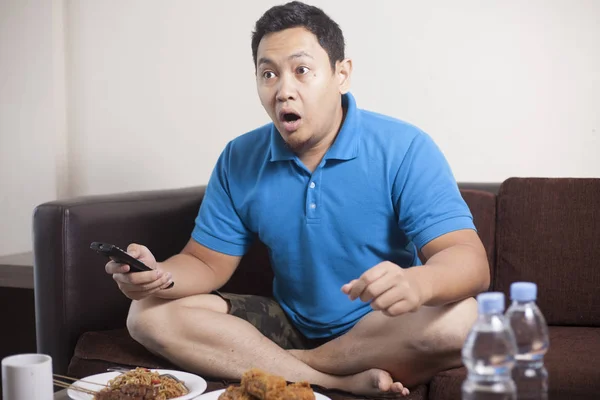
(258, 385)
(235, 393)
(262, 385)
(295, 391)
(299, 391)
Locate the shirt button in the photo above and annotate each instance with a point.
(312, 185)
(313, 206)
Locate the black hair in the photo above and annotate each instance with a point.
(298, 14)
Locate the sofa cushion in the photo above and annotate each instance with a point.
(569, 376)
(96, 351)
(547, 231)
(447, 384)
(572, 362)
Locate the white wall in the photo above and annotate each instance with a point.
(506, 88)
(29, 140)
(155, 89)
(493, 82)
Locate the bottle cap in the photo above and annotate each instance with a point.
(523, 291)
(490, 302)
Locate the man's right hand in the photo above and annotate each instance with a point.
(138, 285)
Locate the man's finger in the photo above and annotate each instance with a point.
(357, 288)
(113, 267)
(399, 308)
(165, 280)
(387, 299)
(152, 291)
(348, 286)
(134, 250)
(138, 278)
(376, 289)
(366, 279)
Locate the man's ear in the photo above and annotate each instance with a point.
(343, 71)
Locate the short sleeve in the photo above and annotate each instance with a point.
(426, 195)
(218, 226)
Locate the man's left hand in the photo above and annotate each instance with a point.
(391, 289)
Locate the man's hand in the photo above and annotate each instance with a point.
(391, 289)
(138, 285)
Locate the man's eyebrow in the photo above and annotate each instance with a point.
(300, 54)
(264, 60)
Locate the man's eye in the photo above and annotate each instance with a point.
(268, 74)
(302, 70)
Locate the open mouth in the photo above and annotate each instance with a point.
(290, 117)
(290, 121)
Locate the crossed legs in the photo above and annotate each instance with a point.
(379, 354)
(412, 347)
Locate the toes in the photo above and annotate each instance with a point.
(385, 381)
(397, 387)
(384, 385)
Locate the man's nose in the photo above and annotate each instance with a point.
(287, 88)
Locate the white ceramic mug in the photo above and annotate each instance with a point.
(27, 377)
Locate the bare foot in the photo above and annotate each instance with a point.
(372, 382)
(369, 382)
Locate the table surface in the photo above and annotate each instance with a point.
(61, 395)
(16, 270)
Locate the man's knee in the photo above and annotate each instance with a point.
(153, 321)
(144, 320)
(448, 334)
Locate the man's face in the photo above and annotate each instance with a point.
(298, 88)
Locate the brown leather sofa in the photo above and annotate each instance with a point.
(541, 230)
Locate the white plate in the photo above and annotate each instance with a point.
(194, 383)
(215, 395)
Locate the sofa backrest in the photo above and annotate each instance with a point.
(73, 294)
(483, 207)
(547, 232)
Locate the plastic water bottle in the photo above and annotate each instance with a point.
(489, 353)
(531, 333)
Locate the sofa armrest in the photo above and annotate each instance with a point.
(73, 294)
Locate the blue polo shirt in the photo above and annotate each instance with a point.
(382, 191)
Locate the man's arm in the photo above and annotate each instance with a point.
(456, 267)
(197, 270)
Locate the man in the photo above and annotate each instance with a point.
(345, 199)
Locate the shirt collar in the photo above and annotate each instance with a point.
(345, 146)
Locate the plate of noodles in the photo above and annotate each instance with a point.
(140, 382)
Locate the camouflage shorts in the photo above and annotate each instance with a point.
(270, 319)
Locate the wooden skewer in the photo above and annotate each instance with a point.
(74, 387)
(80, 380)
